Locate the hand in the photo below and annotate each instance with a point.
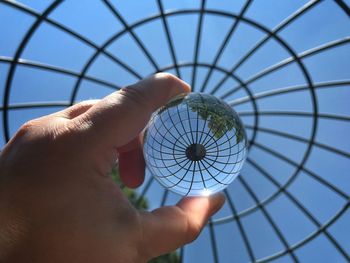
(57, 201)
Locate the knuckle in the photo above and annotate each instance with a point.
(27, 128)
(136, 96)
(56, 131)
(29, 125)
(193, 229)
(44, 130)
(82, 106)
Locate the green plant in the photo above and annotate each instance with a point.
(219, 116)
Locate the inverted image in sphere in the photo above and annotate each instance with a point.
(195, 145)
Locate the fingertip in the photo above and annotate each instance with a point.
(218, 200)
(202, 206)
(159, 89)
(178, 84)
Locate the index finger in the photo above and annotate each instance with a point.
(120, 117)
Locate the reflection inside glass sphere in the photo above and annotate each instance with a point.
(195, 145)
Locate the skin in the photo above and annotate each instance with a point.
(57, 201)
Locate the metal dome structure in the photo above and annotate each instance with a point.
(284, 67)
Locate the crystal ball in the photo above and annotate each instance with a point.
(195, 145)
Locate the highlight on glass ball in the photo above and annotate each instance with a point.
(195, 145)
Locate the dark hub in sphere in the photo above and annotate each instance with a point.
(195, 152)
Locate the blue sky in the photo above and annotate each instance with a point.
(323, 23)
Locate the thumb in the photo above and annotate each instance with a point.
(167, 228)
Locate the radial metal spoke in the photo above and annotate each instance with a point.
(222, 47)
(197, 45)
(132, 33)
(343, 6)
(164, 197)
(240, 226)
(168, 36)
(213, 241)
(182, 254)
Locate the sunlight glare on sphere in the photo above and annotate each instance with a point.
(195, 145)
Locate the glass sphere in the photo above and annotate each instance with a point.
(195, 145)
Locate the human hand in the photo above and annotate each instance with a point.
(57, 201)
